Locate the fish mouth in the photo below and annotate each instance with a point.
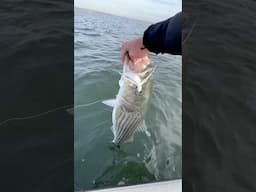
(115, 144)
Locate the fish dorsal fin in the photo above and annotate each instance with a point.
(109, 102)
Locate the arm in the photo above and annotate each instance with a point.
(162, 37)
(165, 36)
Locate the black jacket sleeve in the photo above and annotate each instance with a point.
(164, 37)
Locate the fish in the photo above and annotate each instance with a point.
(130, 104)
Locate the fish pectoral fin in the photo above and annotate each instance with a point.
(109, 102)
(130, 140)
(143, 128)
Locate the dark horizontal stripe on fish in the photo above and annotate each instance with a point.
(135, 127)
(128, 126)
(117, 124)
(120, 122)
(131, 129)
(122, 127)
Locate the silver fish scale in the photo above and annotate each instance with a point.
(129, 111)
(131, 102)
(126, 124)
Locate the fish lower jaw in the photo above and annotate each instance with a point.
(114, 141)
(116, 144)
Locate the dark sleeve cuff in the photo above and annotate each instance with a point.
(165, 36)
(154, 37)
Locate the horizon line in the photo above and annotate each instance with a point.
(90, 9)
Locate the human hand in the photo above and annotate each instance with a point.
(140, 65)
(135, 49)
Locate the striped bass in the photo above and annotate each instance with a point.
(129, 107)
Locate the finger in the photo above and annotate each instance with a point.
(122, 53)
(132, 59)
(123, 56)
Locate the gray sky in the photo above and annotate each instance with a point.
(148, 10)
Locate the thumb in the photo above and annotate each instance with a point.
(123, 56)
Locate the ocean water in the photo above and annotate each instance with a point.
(36, 81)
(98, 38)
(219, 95)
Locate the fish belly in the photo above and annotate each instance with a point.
(128, 116)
